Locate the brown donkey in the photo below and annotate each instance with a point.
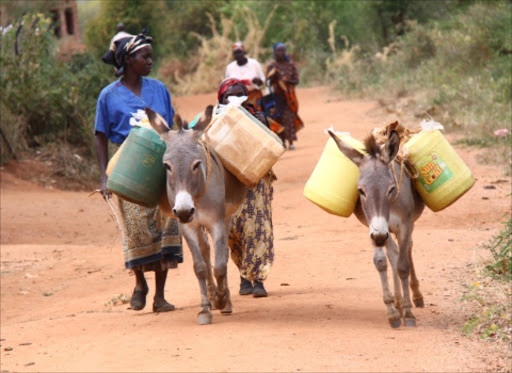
(202, 195)
(388, 203)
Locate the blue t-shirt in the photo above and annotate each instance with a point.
(117, 104)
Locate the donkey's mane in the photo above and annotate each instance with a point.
(371, 146)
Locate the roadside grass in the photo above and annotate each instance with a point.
(491, 293)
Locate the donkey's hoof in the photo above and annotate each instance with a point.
(204, 318)
(395, 323)
(419, 302)
(409, 322)
(227, 310)
(220, 302)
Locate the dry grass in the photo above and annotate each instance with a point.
(344, 58)
(205, 69)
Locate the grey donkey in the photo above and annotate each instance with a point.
(387, 205)
(202, 195)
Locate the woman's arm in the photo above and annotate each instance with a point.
(272, 73)
(259, 79)
(101, 143)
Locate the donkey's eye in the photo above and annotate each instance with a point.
(168, 167)
(361, 192)
(196, 165)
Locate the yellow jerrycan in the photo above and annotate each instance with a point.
(443, 177)
(333, 183)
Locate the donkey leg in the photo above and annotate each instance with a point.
(200, 269)
(228, 308)
(392, 254)
(403, 268)
(381, 263)
(417, 297)
(205, 252)
(219, 236)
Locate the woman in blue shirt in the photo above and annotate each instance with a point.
(151, 239)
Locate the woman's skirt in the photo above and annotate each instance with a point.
(251, 240)
(151, 238)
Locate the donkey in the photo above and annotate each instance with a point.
(388, 204)
(202, 195)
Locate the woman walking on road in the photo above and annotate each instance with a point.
(248, 71)
(283, 76)
(251, 239)
(151, 239)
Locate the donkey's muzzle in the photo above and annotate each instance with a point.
(379, 239)
(184, 215)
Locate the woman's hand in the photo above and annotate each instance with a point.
(101, 143)
(257, 81)
(273, 75)
(103, 189)
(288, 80)
(259, 115)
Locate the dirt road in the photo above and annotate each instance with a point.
(61, 265)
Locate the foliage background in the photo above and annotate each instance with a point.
(451, 59)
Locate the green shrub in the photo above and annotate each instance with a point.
(57, 98)
(46, 102)
(500, 247)
(460, 66)
(492, 318)
(27, 78)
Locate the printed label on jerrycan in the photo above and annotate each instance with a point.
(433, 172)
(148, 160)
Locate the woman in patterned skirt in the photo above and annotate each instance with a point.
(152, 241)
(251, 239)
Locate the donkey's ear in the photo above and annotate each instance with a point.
(205, 119)
(391, 147)
(351, 153)
(157, 122)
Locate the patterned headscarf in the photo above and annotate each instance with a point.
(229, 83)
(123, 47)
(276, 45)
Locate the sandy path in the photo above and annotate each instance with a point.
(61, 262)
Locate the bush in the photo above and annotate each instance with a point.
(492, 318)
(500, 266)
(46, 101)
(460, 66)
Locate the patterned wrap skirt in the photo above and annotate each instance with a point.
(251, 240)
(151, 238)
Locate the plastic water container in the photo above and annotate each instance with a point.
(113, 160)
(138, 174)
(246, 147)
(443, 175)
(333, 183)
